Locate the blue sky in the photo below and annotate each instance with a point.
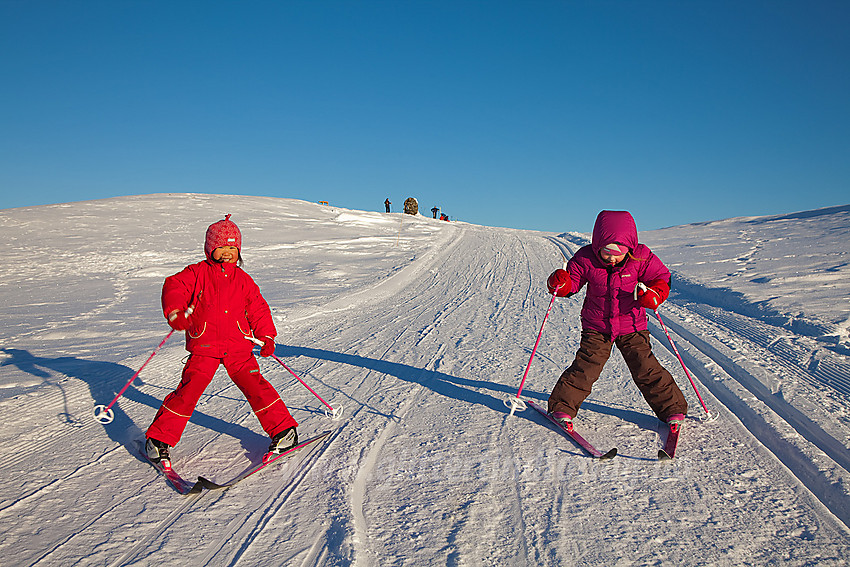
(527, 114)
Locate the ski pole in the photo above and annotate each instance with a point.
(515, 403)
(682, 362)
(104, 414)
(330, 411)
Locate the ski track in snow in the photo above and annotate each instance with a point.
(420, 329)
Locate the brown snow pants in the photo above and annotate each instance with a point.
(654, 382)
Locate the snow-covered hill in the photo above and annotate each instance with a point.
(420, 329)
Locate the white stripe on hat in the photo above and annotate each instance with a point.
(616, 249)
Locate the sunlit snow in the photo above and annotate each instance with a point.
(420, 329)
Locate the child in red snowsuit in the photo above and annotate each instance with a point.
(612, 267)
(220, 308)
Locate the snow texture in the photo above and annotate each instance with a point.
(420, 329)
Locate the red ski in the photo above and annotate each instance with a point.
(177, 482)
(574, 435)
(669, 450)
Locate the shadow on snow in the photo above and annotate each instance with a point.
(104, 380)
(460, 389)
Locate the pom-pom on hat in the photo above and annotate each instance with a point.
(616, 249)
(222, 233)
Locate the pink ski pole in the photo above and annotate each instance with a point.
(685, 368)
(515, 403)
(330, 411)
(103, 413)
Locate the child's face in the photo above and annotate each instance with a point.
(611, 259)
(226, 254)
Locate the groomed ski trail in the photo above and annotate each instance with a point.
(461, 493)
(426, 468)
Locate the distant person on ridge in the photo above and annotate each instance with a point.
(387, 204)
(613, 314)
(435, 210)
(220, 307)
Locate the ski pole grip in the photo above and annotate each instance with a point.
(173, 315)
(254, 340)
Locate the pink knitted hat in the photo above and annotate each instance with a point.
(222, 233)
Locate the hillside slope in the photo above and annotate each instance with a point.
(419, 329)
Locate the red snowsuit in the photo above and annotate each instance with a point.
(228, 307)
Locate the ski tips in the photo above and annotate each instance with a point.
(609, 455)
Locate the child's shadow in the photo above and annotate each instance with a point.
(104, 380)
(643, 420)
(462, 389)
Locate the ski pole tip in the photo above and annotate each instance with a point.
(103, 414)
(514, 404)
(710, 416)
(334, 413)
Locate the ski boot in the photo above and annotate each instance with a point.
(675, 422)
(158, 452)
(283, 441)
(564, 419)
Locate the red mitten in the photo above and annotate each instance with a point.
(177, 320)
(559, 283)
(653, 294)
(268, 347)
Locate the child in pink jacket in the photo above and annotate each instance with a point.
(219, 307)
(614, 314)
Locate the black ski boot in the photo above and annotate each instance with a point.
(158, 452)
(283, 441)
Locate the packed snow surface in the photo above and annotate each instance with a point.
(419, 330)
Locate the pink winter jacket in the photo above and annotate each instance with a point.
(228, 307)
(609, 304)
